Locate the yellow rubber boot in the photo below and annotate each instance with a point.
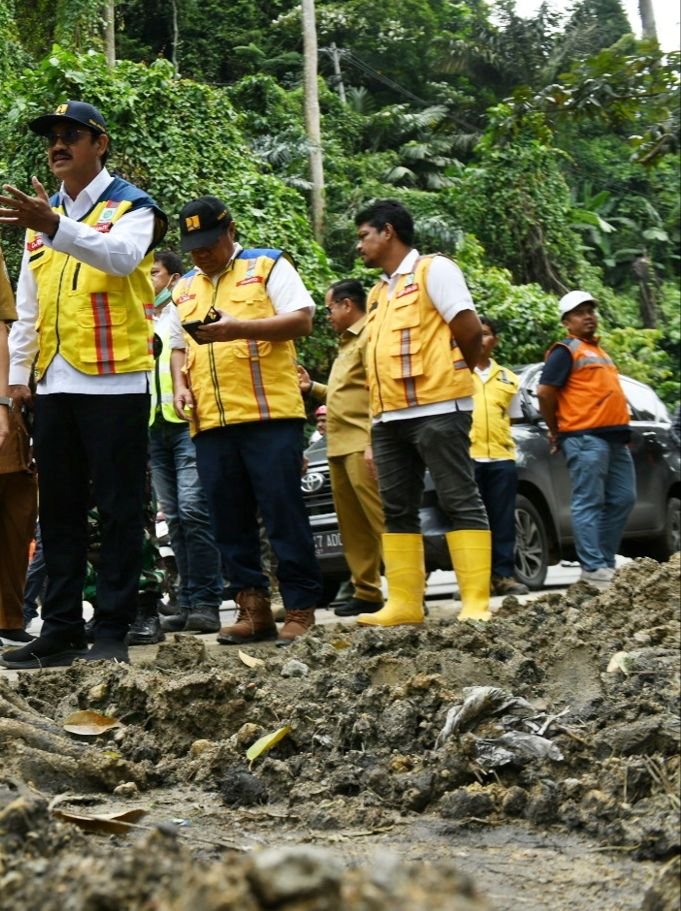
(406, 575)
(471, 553)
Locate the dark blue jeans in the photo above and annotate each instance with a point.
(98, 440)
(257, 466)
(404, 449)
(498, 483)
(36, 579)
(180, 496)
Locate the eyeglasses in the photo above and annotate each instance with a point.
(334, 304)
(70, 136)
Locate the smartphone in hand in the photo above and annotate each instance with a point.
(191, 326)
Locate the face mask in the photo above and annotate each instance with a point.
(162, 297)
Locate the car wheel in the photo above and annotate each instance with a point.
(531, 544)
(670, 540)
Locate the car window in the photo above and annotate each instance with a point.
(644, 403)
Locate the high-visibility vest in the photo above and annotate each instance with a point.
(412, 358)
(491, 430)
(162, 382)
(99, 323)
(592, 397)
(242, 380)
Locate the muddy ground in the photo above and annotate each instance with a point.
(528, 763)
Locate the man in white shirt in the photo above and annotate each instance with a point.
(424, 341)
(85, 303)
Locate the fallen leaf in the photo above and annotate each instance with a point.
(266, 743)
(90, 724)
(621, 661)
(249, 660)
(102, 822)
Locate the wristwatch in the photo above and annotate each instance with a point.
(6, 400)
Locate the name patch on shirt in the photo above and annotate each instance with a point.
(106, 216)
(35, 244)
(183, 298)
(409, 289)
(252, 280)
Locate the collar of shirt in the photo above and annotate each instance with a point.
(405, 267)
(81, 205)
(215, 278)
(356, 327)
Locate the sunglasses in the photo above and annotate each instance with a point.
(69, 137)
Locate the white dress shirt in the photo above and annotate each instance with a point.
(449, 293)
(117, 252)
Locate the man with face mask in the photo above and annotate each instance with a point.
(176, 480)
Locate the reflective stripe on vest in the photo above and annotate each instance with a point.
(411, 356)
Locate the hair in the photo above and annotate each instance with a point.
(388, 212)
(350, 287)
(486, 321)
(171, 261)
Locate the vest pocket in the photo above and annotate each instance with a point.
(102, 329)
(406, 356)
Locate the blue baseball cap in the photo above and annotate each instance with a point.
(77, 112)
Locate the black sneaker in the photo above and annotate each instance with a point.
(175, 623)
(204, 618)
(50, 650)
(109, 650)
(356, 606)
(15, 637)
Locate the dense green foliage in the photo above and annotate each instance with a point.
(542, 152)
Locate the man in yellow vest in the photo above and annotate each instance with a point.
(587, 415)
(495, 404)
(85, 303)
(176, 480)
(424, 342)
(235, 380)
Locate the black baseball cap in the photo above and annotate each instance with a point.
(75, 111)
(202, 221)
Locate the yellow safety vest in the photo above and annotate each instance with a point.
(162, 383)
(242, 380)
(491, 431)
(412, 358)
(99, 323)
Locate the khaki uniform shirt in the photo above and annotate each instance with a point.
(7, 309)
(347, 396)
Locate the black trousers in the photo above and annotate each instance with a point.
(403, 450)
(91, 447)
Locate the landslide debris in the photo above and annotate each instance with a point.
(561, 714)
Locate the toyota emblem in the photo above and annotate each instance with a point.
(312, 482)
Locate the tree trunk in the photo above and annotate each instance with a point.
(176, 37)
(648, 27)
(110, 34)
(312, 120)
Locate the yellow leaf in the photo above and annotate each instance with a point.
(90, 724)
(266, 743)
(249, 660)
(102, 822)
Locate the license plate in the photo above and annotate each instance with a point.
(327, 543)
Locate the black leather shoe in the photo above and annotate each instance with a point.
(146, 628)
(109, 650)
(50, 650)
(15, 637)
(356, 606)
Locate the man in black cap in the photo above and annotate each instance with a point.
(85, 304)
(235, 380)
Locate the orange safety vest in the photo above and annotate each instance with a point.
(412, 358)
(592, 398)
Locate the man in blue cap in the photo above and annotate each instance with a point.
(85, 304)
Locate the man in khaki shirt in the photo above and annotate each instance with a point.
(355, 492)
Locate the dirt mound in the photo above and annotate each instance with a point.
(561, 715)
